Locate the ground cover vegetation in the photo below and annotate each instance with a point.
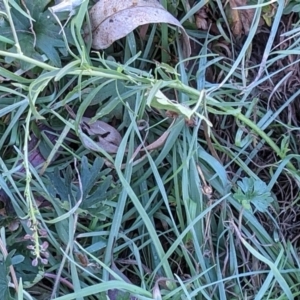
(150, 161)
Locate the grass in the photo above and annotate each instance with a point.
(211, 213)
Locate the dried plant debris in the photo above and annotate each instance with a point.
(113, 19)
(240, 19)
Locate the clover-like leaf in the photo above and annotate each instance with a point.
(253, 192)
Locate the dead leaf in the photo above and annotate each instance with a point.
(268, 12)
(112, 20)
(36, 156)
(201, 19)
(108, 138)
(241, 19)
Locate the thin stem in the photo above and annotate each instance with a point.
(12, 26)
(27, 192)
(23, 57)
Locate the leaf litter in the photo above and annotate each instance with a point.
(240, 19)
(112, 20)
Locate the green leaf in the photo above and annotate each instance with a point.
(160, 101)
(43, 39)
(4, 291)
(96, 189)
(89, 175)
(262, 196)
(246, 204)
(255, 192)
(60, 186)
(26, 271)
(292, 7)
(17, 259)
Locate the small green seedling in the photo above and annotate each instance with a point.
(254, 192)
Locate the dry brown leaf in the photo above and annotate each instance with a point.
(241, 19)
(201, 19)
(107, 137)
(112, 20)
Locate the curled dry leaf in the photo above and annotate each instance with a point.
(241, 19)
(108, 138)
(268, 12)
(114, 19)
(201, 19)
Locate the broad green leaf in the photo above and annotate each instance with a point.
(89, 175)
(61, 185)
(44, 38)
(262, 196)
(25, 269)
(255, 192)
(96, 189)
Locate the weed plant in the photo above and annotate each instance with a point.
(205, 215)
